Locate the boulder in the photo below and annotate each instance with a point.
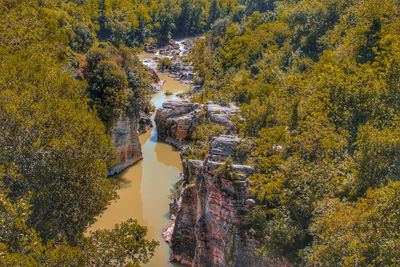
(222, 115)
(178, 119)
(223, 146)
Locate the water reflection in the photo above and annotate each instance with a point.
(145, 189)
(129, 199)
(163, 155)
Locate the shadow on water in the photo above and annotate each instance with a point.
(124, 183)
(154, 138)
(145, 187)
(162, 155)
(144, 190)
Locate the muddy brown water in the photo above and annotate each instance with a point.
(145, 186)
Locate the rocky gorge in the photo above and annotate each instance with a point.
(209, 210)
(133, 122)
(209, 228)
(208, 213)
(144, 187)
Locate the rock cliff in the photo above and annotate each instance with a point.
(178, 119)
(125, 138)
(210, 229)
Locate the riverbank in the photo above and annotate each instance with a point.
(145, 187)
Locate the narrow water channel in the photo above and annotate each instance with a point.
(145, 186)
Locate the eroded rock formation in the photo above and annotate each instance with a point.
(157, 83)
(181, 71)
(125, 137)
(178, 119)
(210, 229)
(174, 48)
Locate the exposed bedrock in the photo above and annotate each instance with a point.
(181, 71)
(145, 122)
(125, 138)
(178, 68)
(178, 119)
(174, 48)
(210, 227)
(157, 83)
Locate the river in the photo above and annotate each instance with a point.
(145, 186)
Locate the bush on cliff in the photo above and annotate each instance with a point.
(201, 139)
(317, 82)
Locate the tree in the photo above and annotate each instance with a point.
(83, 39)
(259, 5)
(213, 13)
(94, 56)
(125, 244)
(377, 158)
(119, 26)
(57, 143)
(310, 21)
(363, 233)
(107, 86)
(22, 246)
(318, 87)
(165, 20)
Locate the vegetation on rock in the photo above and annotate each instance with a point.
(317, 84)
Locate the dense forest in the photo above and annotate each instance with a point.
(317, 83)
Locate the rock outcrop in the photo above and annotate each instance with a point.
(125, 138)
(210, 229)
(171, 49)
(145, 122)
(174, 48)
(178, 119)
(181, 71)
(178, 69)
(157, 82)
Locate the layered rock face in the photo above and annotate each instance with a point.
(178, 119)
(125, 137)
(210, 229)
(145, 122)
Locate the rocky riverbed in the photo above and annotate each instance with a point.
(145, 187)
(132, 123)
(176, 52)
(208, 211)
